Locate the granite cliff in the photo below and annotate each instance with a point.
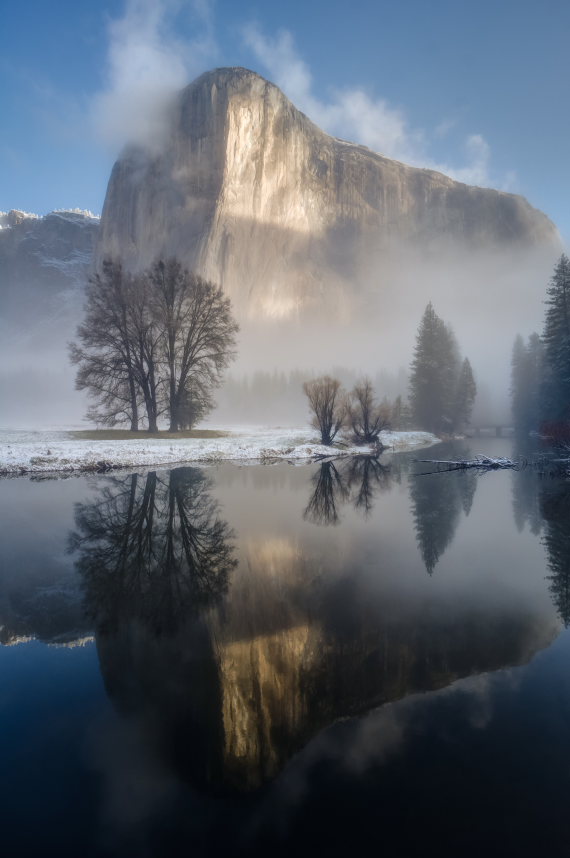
(250, 193)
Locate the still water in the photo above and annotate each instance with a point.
(265, 660)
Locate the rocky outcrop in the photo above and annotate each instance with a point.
(41, 258)
(251, 194)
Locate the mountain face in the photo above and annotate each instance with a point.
(251, 194)
(42, 259)
(44, 264)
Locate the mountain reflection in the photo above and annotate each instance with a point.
(226, 670)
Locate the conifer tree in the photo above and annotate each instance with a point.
(466, 390)
(434, 374)
(556, 338)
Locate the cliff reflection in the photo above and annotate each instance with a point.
(228, 670)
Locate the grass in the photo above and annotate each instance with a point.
(127, 435)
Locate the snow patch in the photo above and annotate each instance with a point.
(45, 452)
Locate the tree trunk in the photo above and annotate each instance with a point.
(134, 406)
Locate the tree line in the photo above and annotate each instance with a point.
(152, 345)
(442, 391)
(540, 367)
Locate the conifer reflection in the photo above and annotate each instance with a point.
(153, 548)
(555, 508)
(437, 502)
(525, 491)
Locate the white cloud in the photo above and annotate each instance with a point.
(147, 62)
(354, 114)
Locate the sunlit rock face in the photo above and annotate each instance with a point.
(297, 649)
(247, 191)
(229, 697)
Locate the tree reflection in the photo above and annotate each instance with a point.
(355, 480)
(365, 478)
(525, 492)
(329, 493)
(555, 508)
(153, 548)
(437, 502)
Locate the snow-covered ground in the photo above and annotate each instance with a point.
(22, 452)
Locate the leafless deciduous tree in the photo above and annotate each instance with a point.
(366, 417)
(328, 404)
(157, 341)
(199, 335)
(103, 353)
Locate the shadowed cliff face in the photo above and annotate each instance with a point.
(251, 194)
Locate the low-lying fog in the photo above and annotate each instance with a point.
(486, 298)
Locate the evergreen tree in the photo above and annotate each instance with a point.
(434, 374)
(518, 384)
(556, 338)
(526, 378)
(465, 393)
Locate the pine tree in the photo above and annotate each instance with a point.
(526, 376)
(556, 338)
(434, 374)
(518, 384)
(466, 390)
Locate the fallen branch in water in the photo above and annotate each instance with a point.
(479, 462)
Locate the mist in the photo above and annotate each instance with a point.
(147, 63)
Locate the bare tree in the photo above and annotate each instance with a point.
(160, 339)
(366, 417)
(104, 351)
(328, 403)
(199, 337)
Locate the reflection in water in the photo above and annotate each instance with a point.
(357, 480)
(154, 555)
(228, 677)
(525, 492)
(366, 477)
(555, 509)
(153, 548)
(330, 491)
(437, 501)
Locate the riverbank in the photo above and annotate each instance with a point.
(43, 452)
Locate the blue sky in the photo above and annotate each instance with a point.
(478, 90)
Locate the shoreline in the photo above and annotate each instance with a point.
(25, 453)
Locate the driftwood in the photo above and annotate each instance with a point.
(479, 462)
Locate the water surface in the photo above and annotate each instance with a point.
(246, 660)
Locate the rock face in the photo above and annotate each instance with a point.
(42, 259)
(44, 264)
(251, 194)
